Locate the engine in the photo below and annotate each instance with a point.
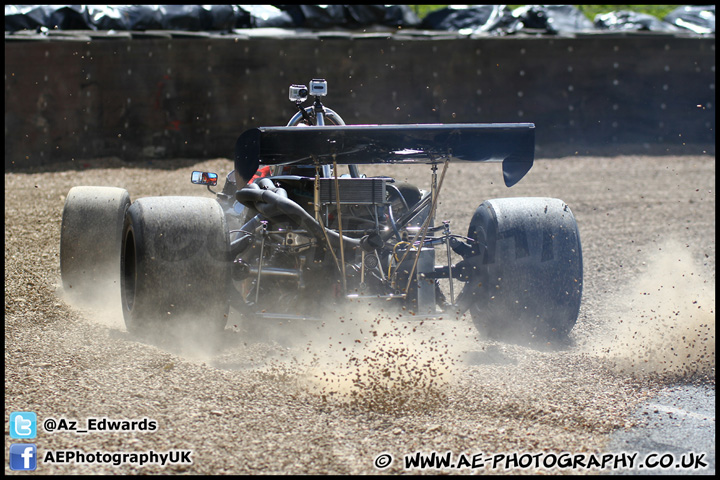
(298, 246)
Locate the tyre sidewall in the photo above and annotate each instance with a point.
(181, 267)
(90, 242)
(529, 251)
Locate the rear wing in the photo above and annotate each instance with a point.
(513, 144)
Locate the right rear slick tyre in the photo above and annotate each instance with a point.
(90, 238)
(174, 266)
(531, 269)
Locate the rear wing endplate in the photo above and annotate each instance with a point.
(513, 144)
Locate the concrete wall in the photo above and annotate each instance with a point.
(167, 95)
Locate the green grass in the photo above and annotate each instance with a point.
(590, 11)
(658, 11)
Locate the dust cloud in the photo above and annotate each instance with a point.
(101, 304)
(374, 357)
(663, 324)
(386, 361)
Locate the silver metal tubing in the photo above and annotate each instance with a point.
(446, 231)
(298, 117)
(431, 216)
(275, 272)
(332, 115)
(339, 214)
(386, 297)
(335, 118)
(284, 316)
(329, 113)
(362, 266)
(260, 259)
(318, 217)
(379, 265)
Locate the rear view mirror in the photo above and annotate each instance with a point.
(204, 178)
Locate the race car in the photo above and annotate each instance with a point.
(297, 227)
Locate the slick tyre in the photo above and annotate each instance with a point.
(528, 280)
(174, 267)
(90, 242)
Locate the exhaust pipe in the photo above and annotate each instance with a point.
(272, 204)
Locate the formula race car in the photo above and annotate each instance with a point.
(297, 227)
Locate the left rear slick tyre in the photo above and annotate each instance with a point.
(175, 268)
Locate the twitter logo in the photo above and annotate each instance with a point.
(23, 425)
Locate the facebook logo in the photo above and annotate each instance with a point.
(23, 425)
(23, 456)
